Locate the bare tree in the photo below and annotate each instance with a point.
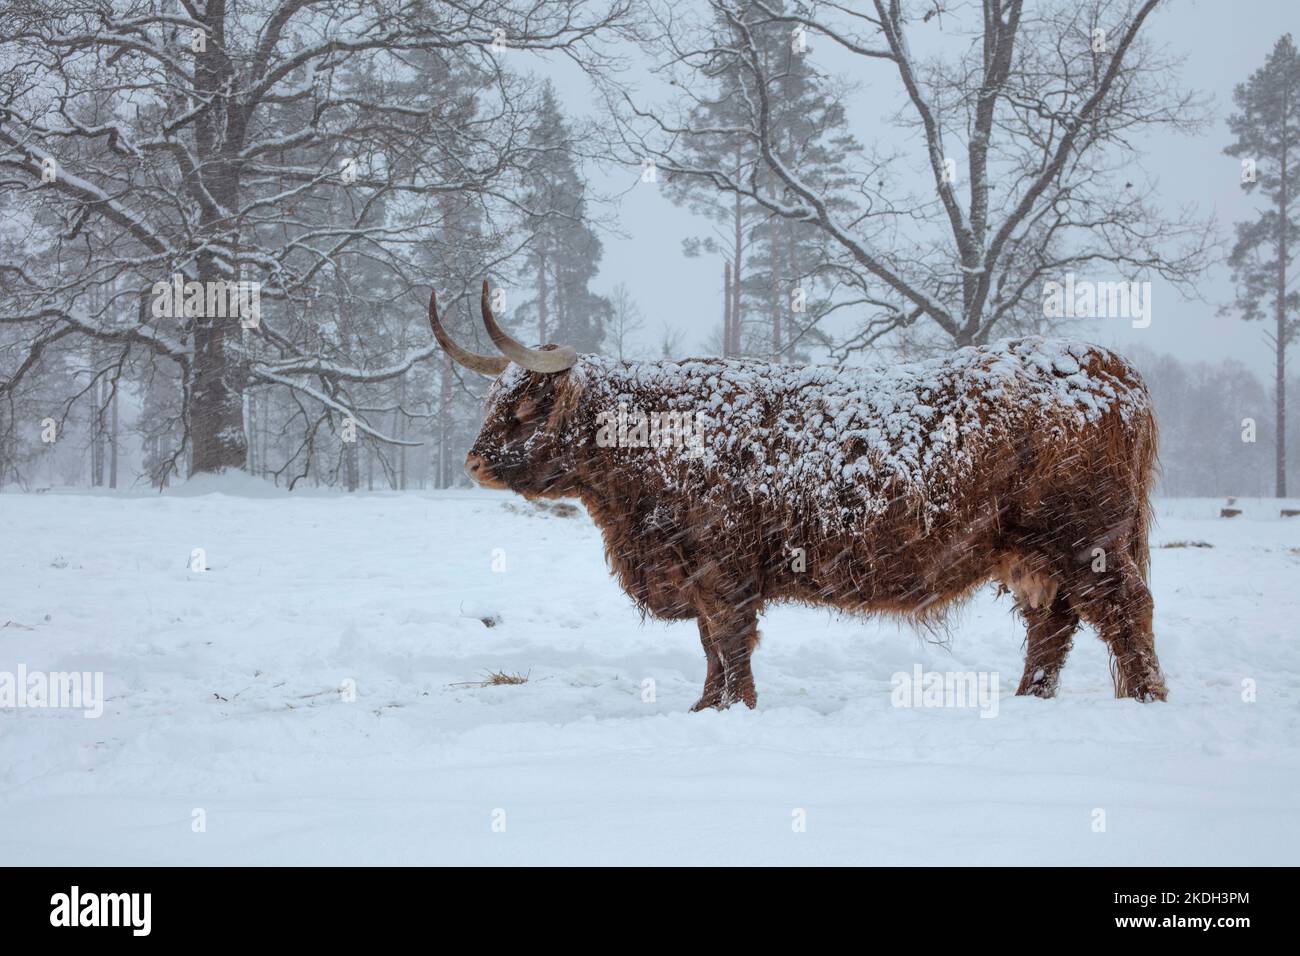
(670, 342)
(626, 321)
(275, 141)
(1024, 134)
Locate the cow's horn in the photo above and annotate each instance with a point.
(535, 360)
(486, 364)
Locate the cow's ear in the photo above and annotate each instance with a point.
(568, 393)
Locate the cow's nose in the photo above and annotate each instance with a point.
(474, 466)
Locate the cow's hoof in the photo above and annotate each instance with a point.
(711, 700)
(1150, 687)
(1039, 685)
(742, 689)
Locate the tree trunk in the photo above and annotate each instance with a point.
(350, 465)
(1279, 446)
(735, 278)
(252, 427)
(401, 424)
(726, 308)
(216, 407)
(794, 268)
(97, 437)
(774, 260)
(561, 320)
(541, 298)
(265, 418)
(216, 402)
(774, 264)
(444, 424)
(112, 445)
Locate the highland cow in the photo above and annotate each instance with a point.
(896, 489)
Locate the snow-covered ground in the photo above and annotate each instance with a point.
(228, 693)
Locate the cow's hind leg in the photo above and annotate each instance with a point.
(730, 635)
(1119, 606)
(1048, 640)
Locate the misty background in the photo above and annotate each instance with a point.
(1222, 45)
(534, 175)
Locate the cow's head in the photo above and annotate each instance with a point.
(527, 442)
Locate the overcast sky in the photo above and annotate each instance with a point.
(1223, 43)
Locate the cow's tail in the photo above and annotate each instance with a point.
(1146, 465)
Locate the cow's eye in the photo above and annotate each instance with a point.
(526, 411)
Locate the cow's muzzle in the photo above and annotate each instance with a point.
(479, 472)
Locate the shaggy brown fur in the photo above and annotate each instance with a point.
(896, 490)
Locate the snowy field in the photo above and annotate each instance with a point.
(229, 702)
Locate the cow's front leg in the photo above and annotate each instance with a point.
(714, 681)
(729, 637)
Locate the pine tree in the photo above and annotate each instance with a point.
(790, 261)
(564, 253)
(771, 265)
(724, 110)
(1267, 127)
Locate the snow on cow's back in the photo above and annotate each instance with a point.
(810, 434)
(922, 430)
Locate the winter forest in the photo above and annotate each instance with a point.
(649, 432)
(344, 159)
